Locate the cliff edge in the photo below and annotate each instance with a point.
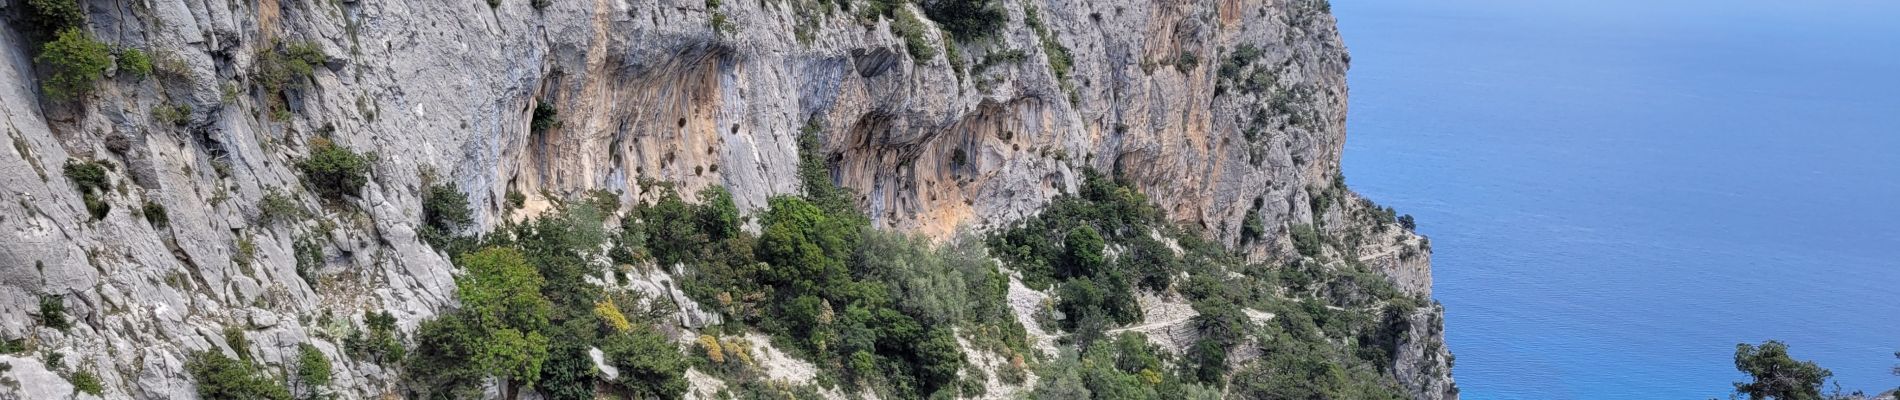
(1229, 115)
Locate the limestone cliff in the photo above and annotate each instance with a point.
(1219, 110)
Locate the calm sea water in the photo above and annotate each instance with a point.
(1620, 191)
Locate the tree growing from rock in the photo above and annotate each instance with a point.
(1777, 375)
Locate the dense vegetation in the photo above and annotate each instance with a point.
(75, 61)
(90, 178)
(1775, 374)
(334, 171)
(1336, 326)
(223, 377)
(880, 311)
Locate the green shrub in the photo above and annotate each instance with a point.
(1060, 60)
(57, 15)
(87, 175)
(444, 363)
(1124, 367)
(155, 214)
(497, 332)
(502, 289)
(96, 206)
(53, 313)
(545, 117)
(381, 344)
(1083, 258)
(245, 253)
(445, 211)
(516, 200)
(313, 369)
(1186, 62)
(562, 245)
(1251, 228)
(967, 20)
(135, 63)
(76, 61)
(1776, 374)
(86, 382)
(234, 337)
(906, 24)
(174, 114)
(221, 377)
(286, 66)
(568, 374)
(279, 207)
(333, 171)
(90, 178)
(672, 229)
(650, 365)
(937, 359)
(308, 250)
(1307, 240)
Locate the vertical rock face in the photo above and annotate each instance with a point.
(1219, 110)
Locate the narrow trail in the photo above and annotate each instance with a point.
(1154, 325)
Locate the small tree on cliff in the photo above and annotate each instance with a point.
(1776, 374)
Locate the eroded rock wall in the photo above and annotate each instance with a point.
(1213, 108)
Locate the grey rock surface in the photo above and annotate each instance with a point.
(1213, 108)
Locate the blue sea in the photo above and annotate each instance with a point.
(1618, 192)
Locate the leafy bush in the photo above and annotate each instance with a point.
(501, 290)
(53, 313)
(90, 178)
(155, 214)
(1186, 62)
(1065, 247)
(1060, 60)
(76, 61)
(448, 361)
(221, 377)
(87, 175)
(313, 369)
(288, 65)
(650, 365)
(967, 20)
(516, 199)
(814, 175)
(561, 245)
(244, 253)
(545, 118)
(445, 211)
(57, 15)
(86, 382)
(1307, 240)
(1124, 367)
(308, 251)
(1083, 258)
(278, 207)
(906, 24)
(135, 63)
(175, 114)
(496, 333)
(334, 171)
(383, 342)
(1251, 228)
